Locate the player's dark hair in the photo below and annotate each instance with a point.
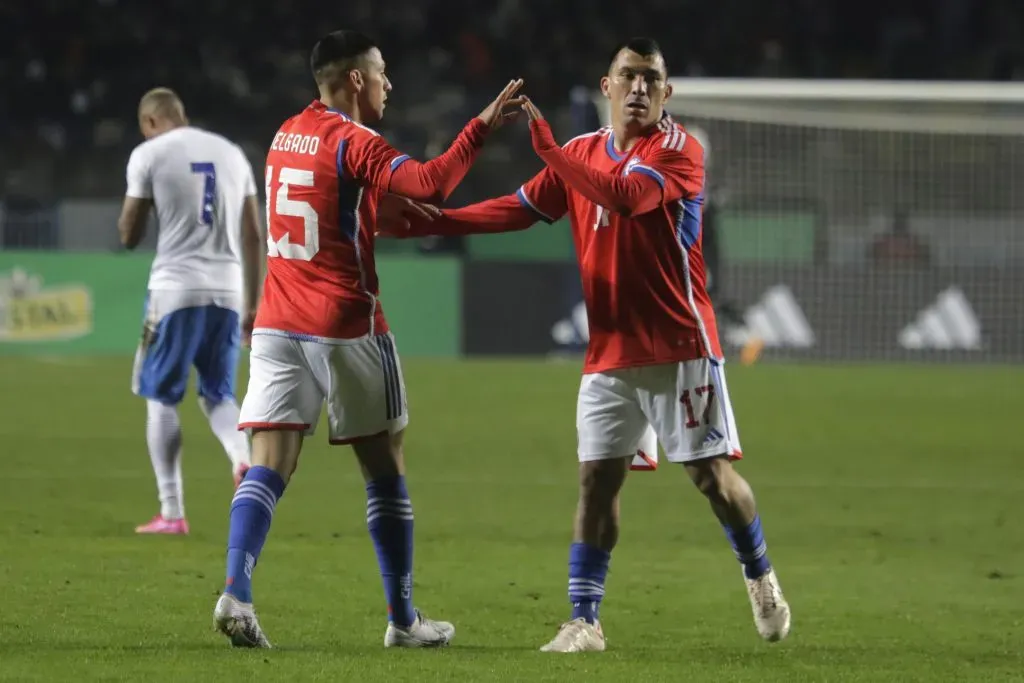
(645, 47)
(339, 48)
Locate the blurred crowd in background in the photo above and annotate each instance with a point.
(72, 71)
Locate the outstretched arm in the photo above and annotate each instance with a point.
(668, 175)
(380, 165)
(541, 199)
(384, 167)
(501, 214)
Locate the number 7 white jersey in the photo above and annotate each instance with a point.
(198, 182)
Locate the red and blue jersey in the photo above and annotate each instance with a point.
(643, 271)
(325, 176)
(636, 218)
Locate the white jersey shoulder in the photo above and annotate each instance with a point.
(198, 182)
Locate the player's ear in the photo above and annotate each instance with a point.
(668, 90)
(355, 77)
(605, 85)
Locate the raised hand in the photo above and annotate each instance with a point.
(395, 215)
(505, 107)
(531, 109)
(540, 132)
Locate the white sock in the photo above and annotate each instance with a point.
(163, 435)
(223, 419)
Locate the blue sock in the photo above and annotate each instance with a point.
(251, 512)
(389, 518)
(750, 548)
(588, 566)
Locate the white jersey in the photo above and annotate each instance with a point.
(198, 182)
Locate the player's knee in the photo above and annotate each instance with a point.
(208, 403)
(159, 411)
(277, 449)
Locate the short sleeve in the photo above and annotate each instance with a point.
(140, 174)
(545, 195)
(366, 157)
(677, 164)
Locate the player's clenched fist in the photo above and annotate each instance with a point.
(505, 106)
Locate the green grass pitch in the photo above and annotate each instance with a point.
(892, 498)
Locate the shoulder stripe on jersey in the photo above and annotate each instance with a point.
(674, 140)
(525, 201)
(348, 119)
(398, 161)
(648, 171)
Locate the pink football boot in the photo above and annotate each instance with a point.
(159, 525)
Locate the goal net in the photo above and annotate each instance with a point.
(860, 220)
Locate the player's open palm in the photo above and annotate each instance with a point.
(505, 106)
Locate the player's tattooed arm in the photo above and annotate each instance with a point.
(131, 225)
(633, 194)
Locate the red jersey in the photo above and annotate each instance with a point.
(325, 176)
(639, 248)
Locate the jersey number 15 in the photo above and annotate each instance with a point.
(284, 206)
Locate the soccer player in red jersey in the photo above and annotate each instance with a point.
(633, 192)
(320, 335)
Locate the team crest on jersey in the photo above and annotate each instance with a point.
(30, 312)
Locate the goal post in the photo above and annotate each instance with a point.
(863, 220)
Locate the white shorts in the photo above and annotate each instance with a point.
(686, 404)
(291, 378)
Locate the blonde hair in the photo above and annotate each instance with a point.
(162, 103)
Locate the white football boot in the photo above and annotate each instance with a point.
(237, 620)
(423, 632)
(577, 635)
(771, 611)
